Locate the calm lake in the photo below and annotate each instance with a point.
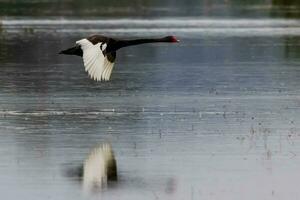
(216, 116)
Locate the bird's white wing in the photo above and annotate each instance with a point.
(93, 60)
(108, 67)
(96, 64)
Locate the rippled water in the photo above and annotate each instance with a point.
(184, 27)
(213, 117)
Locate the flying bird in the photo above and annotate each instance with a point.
(99, 53)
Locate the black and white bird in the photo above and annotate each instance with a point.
(99, 53)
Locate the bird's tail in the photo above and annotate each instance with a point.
(76, 50)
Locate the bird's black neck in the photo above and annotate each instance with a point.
(125, 43)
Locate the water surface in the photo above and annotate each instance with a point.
(213, 117)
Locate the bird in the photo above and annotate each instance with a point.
(99, 53)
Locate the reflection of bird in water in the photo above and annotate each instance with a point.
(99, 167)
(99, 53)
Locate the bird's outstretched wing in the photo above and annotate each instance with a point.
(98, 65)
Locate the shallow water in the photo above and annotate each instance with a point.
(213, 117)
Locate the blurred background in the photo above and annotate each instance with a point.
(155, 8)
(215, 116)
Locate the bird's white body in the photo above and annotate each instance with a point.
(95, 62)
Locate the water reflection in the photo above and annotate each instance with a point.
(292, 48)
(97, 171)
(286, 8)
(99, 167)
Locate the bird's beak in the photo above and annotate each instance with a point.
(174, 39)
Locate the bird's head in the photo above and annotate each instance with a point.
(171, 39)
